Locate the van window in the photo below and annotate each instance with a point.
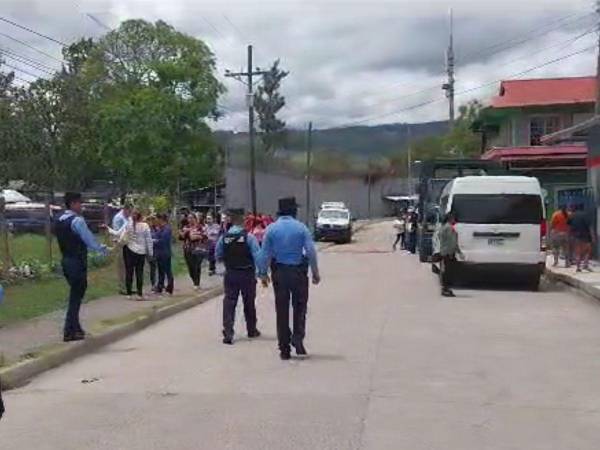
(497, 208)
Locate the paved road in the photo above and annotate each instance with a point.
(393, 366)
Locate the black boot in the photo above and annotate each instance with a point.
(285, 354)
(447, 292)
(300, 349)
(253, 334)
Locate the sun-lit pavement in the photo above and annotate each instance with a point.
(393, 366)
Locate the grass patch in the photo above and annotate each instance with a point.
(35, 298)
(32, 246)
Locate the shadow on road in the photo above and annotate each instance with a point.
(323, 357)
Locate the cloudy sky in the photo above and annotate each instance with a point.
(351, 62)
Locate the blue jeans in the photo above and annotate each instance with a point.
(75, 272)
(164, 271)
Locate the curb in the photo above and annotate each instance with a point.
(19, 374)
(580, 287)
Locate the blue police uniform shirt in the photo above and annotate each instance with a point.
(80, 228)
(251, 242)
(288, 241)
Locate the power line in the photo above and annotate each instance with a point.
(564, 20)
(45, 36)
(465, 91)
(213, 27)
(98, 22)
(30, 65)
(435, 87)
(21, 70)
(521, 40)
(41, 52)
(235, 28)
(26, 60)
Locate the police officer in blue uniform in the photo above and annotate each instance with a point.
(240, 253)
(74, 239)
(289, 249)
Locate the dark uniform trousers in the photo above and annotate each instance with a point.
(75, 272)
(239, 281)
(290, 283)
(448, 268)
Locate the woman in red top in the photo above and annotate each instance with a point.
(560, 235)
(258, 230)
(195, 247)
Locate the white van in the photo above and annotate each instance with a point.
(501, 224)
(334, 224)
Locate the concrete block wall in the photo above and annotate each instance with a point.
(272, 186)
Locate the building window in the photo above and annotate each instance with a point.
(540, 126)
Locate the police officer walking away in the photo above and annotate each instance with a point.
(289, 248)
(74, 239)
(240, 253)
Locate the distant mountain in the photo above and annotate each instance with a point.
(362, 142)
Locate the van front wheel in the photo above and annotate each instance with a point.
(533, 284)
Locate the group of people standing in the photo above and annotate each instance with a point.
(143, 239)
(405, 227)
(284, 248)
(572, 234)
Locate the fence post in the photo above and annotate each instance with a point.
(48, 226)
(4, 248)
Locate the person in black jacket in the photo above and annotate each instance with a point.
(74, 238)
(240, 252)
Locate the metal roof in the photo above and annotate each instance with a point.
(546, 92)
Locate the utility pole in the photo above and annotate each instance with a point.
(251, 134)
(308, 172)
(597, 109)
(449, 85)
(409, 159)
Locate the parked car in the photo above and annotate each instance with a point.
(24, 215)
(334, 224)
(501, 225)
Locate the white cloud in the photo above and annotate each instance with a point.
(349, 60)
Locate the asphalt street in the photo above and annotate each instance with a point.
(393, 366)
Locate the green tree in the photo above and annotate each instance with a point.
(268, 101)
(156, 89)
(8, 127)
(459, 142)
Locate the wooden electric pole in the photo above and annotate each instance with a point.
(248, 75)
(449, 85)
(597, 109)
(308, 172)
(409, 160)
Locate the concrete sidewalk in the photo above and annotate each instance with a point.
(33, 338)
(586, 282)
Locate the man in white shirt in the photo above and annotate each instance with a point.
(119, 223)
